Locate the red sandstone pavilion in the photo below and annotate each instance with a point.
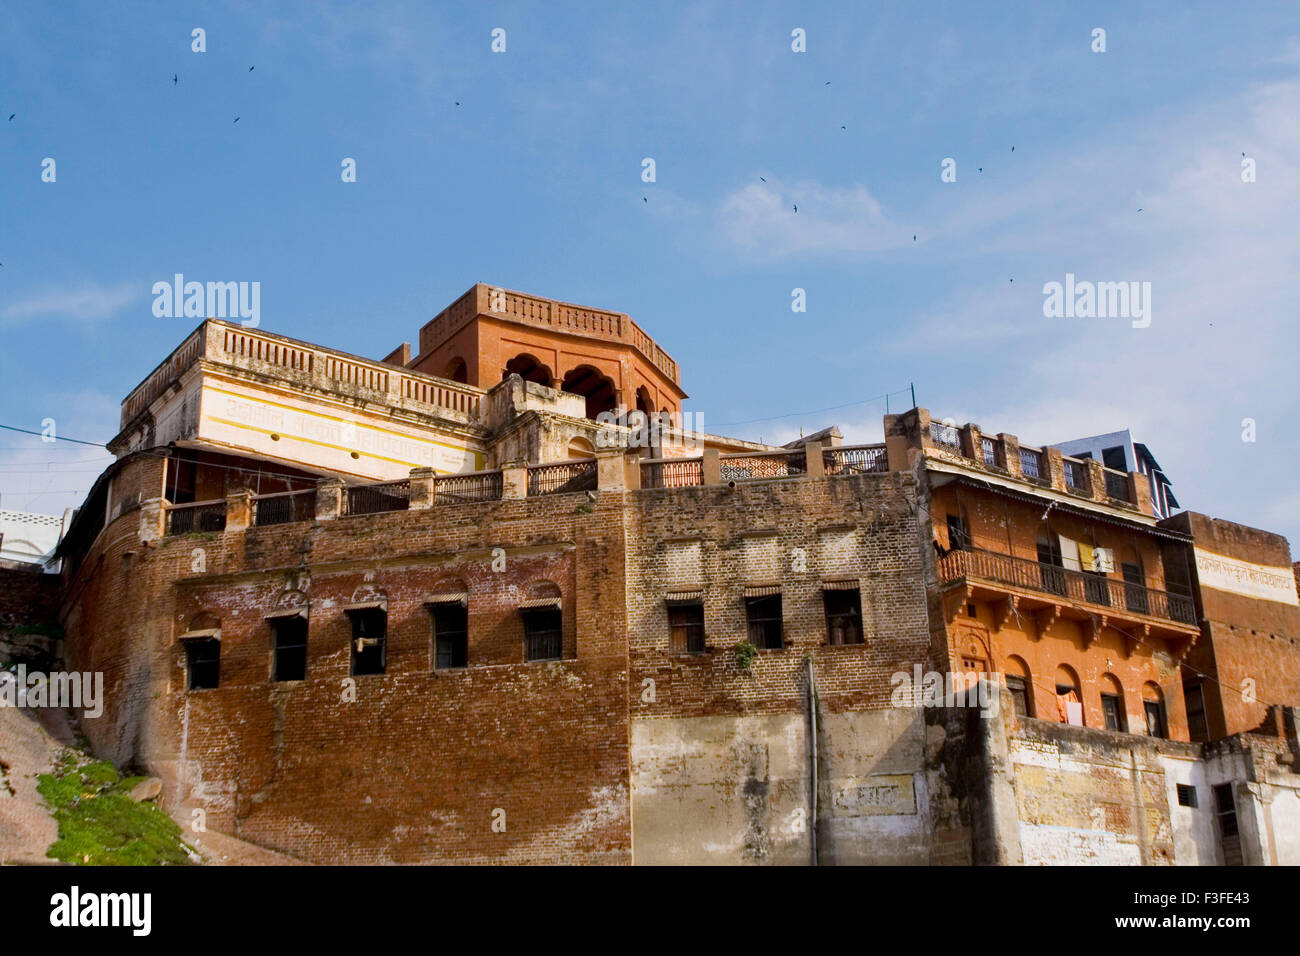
(415, 611)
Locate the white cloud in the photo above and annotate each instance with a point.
(88, 302)
(761, 218)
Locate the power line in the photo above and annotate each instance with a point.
(56, 438)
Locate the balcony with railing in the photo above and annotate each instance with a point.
(1076, 477)
(377, 498)
(562, 477)
(1118, 488)
(1005, 456)
(672, 472)
(1033, 587)
(265, 353)
(469, 487)
(1033, 465)
(194, 517)
(855, 460)
(546, 313)
(758, 466)
(284, 507)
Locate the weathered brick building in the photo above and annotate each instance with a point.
(356, 612)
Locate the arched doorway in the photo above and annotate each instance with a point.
(457, 371)
(529, 368)
(593, 385)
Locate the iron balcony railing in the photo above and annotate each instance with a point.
(672, 472)
(562, 477)
(855, 459)
(1076, 476)
(1079, 587)
(1117, 486)
(378, 498)
(946, 436)
(284, 507)
(991, 451)
(756, 466)
(195, 516)
(1033, 464)
(474, 486)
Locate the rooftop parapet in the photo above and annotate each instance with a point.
(917, 433)
(550, 314)
(225, 343)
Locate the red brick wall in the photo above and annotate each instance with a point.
(1253, 648)
(414, 768)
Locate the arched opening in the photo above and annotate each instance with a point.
(644, 402)
(529, 368)
(1069, 697)
(457, 371)
(593, 385)
(1153, 707)
(1112, 704)
(581, 448)
(1021, 685)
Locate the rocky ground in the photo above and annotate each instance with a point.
(31, 742)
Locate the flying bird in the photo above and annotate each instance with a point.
(250, 69)
(796, 207)
(981, 169)
(1139, 208)
(175, 79)
(236, 119)
(458, 102)
(1011, 280)
(914, 238)
(828, 82)
(11, 117)
(761, 179)
(643, 199)
(1013, 149)
(843, 127)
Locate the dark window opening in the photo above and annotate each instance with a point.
(1225, 813)
(1155, 712)
(1186, 795)
(1115, 458)
(1225, 810)
(1019, 688)
(1051, 569)
(764, 616)
(958, 534)
(1197, 726)
(203, 657)
(843, 616)
(450, 636)
(1135, 588)
(542, 634)
(289, 635)
(369, 640)
(686, 628)
(1113, 710)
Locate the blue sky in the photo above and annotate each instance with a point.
(534, 183)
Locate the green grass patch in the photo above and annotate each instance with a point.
(99, 823)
